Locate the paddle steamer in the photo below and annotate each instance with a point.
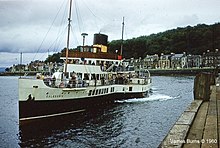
(91, 75)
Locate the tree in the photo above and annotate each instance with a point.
(192, 40)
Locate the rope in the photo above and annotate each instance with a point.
(97, 27)
(78, 16)
(47, 32)
(58, 42)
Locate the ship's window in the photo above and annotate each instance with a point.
(93, 92)
(90, 92)
(79, 75)
(102, 91)
(97, 62)
(93, 76)
(107, 90)
(86, 76)
(98, 50)
(96, 92)
(90, 62)
(97, 77)
(130, 88)
(99, 91)
(87, 49)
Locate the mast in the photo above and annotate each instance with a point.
(68, 36)
(122, 35)
(20, 63)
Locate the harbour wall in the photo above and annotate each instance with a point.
(187, 71)
(30, 73)
(199, 125)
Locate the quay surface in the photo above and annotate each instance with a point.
(199, 124)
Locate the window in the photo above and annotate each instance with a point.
(93, 92)
(130, 88)
(97, 77)
(90, 92)
(112, 89)
(86, 76)
(98, 62)
(79, 75)
(93, 77)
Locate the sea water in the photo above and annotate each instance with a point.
(135, 122)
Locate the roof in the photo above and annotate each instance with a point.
(81, 68)
(178, 55)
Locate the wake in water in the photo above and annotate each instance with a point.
(153, 97)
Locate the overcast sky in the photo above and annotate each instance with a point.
(35, 27)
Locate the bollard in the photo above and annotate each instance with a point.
(202, 84)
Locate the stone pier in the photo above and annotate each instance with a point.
(199, 124)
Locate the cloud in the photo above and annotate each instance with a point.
(9, 59)
(187, 20)
(37, 25)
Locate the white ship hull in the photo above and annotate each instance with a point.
(37, 100)
(91, 75)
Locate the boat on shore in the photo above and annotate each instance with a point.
(90, 76)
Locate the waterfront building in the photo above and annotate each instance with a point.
(178, 60)
(151, 61)
(164, 61)
(211, 58)
(194, 61)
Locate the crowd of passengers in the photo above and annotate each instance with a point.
(76, 81)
